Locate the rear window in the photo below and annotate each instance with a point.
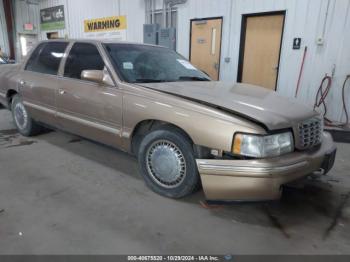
(46, 58)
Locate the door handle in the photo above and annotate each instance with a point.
(61, 92)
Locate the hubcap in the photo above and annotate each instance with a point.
(21, 116)
(166, 164)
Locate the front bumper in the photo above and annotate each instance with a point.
(261, 179)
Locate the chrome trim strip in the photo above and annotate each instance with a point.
(90, 123)
(75, 119)
(42, 108)
(226, 168)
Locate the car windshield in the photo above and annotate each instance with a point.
(151, 64)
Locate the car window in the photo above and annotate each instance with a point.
(83, 56)
(46, 58)
(143, 64)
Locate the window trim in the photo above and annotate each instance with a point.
(117, 71)
(44, 44)
(31, 54)
(65, 58)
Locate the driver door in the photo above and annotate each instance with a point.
(88, 109)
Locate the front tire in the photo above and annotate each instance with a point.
(25, 125)
(167, 163)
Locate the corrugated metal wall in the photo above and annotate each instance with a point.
(50, 3)
(3, 31)
(304, 18)
(79, 10)
(26, 13)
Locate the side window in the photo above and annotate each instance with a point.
(31, 63)
(83, 56)
(46, 58)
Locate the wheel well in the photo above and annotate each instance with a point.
(9, 96)
(146, 126)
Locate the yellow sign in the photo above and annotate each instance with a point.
(105, 24)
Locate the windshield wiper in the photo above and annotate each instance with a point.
(193, 78)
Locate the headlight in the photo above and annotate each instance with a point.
(259, 146)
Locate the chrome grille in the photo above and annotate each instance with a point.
(310, 133)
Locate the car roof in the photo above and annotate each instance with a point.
(96, 40)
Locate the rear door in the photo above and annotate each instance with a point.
(38, 81)
(86, 108)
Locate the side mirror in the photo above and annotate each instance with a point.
(97, 76)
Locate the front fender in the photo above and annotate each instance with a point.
(206, 126)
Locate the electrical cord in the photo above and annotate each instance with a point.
(344, 102)
(321, 96)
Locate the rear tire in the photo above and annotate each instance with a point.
(167, 163)
(25, 125)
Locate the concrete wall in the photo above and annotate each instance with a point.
(3, 30)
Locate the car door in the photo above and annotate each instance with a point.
(89, 109)
(38, 81)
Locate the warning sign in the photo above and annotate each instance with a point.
(107, 24)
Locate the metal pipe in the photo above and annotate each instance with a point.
(153, 7)
(147, 3)
(301, 72)
(169, 14)
(164, 14)
(325, 20)
(151, 11)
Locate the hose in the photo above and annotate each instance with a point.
(321, 96)
(344, 102)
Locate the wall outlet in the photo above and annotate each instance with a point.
(320, 41)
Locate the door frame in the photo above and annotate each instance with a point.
(203, 19)
(243, 38)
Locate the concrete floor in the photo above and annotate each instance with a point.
(63, 195)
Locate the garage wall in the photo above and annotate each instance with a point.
(305, 19)
(26, 13)
(3, 31)
(50, 3)
(79, 10)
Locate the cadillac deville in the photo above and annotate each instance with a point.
(238, 141)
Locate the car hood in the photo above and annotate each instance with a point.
(254, 102)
